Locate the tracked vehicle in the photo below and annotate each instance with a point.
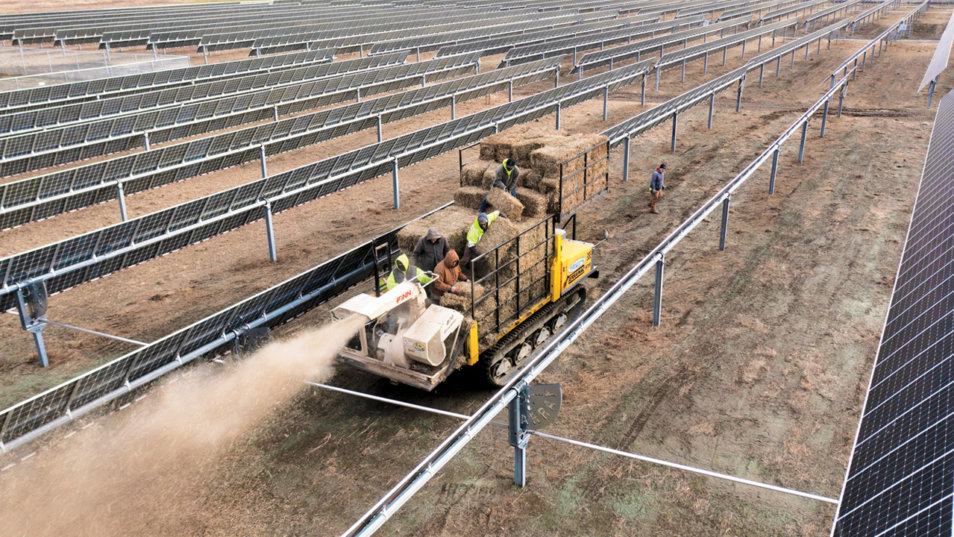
(528, 289)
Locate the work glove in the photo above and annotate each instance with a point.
(455, 290)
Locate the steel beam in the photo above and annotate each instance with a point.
(270, 233)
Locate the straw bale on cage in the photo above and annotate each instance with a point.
(502, 201)
(469, 197)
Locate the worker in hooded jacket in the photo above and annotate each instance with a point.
(476, 233)
(399, 274)
(448, 274)
(430, 250)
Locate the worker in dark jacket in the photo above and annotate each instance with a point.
(430, 250)
(656, 187)
(505, 179)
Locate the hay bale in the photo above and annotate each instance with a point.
(534, 203)
(505, 203)
(470, 196)
(488, 151)
(475, 173)
(453, 222)
(498, 233)
(530, 178)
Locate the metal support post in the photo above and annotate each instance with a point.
(380, 127)
(261, 157)
(394, 182)
(519, 434)
(931, 92)
(759, 49)
(675, 120)
(778, 66)
(205, 54)
(657, 291)
(793, 60)
(841, 99)
(418, 54)
(642, 96)
(270, 233)
(656, 86)
(556, 77)
(605, 102)
(774, 171)
(801, 145)
(761, 70)
(743, 50)
(145, 140)
(825, 117)
(711, 109)
(738, 97)
(705, 63)
(121, 196)
(725, 51)
(574, 55)
(864, 59)
(626, 159)
(510, 91)
(725, 223)
(558, 106)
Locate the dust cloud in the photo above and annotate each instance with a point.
(144, 473)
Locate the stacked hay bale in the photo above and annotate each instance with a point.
(538, 153)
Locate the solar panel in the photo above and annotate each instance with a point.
(698, 51)
(636, 50)
(81, 112)
(942, 54)
(74, 261)
(47, 195)
(571, 45)
(901, 476)
(784, 12)
(37, 150)
(20, 100)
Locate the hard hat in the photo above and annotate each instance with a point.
(482, 218)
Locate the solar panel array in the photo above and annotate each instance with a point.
(564, 46)
(83, 258)
(498, 45)
(636, 50)
(44, 196)
(901, 478)
(427, 43)
(942, 55)
(176, 97)
(211, 335)
(99, 88)
(698, 51)
(37, 150)
(753, 8)
(784, 12)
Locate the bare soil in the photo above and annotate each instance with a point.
(758, 368)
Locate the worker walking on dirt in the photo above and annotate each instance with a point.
(430, 250)
(505, 178)
(476, 232)
(448, 274)
(399, 274)
(656, 187)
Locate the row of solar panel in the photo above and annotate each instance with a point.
(71, 262)
(33, 150)
(44, 96)
(848, 4)
(209, 336)
(498, 45)
(29, 200)
(244, 38)
(656, 115)
(901, 478)
(636, 50)
(176, 97)
(698, 51)
(125, 35)
(564, 46)
(784, 12)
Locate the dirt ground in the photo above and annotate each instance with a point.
(758, 369)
